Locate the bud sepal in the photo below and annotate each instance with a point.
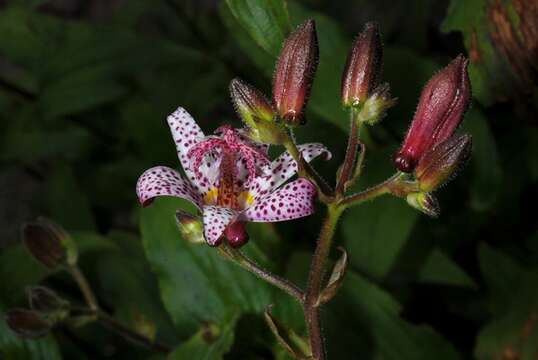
(425, 202)
(190, 227)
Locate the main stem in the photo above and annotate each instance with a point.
(315, 278)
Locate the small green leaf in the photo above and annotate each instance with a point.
(439, 268)
(266, 21)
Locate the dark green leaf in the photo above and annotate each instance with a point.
(439, 268)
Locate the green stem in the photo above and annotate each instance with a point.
(242, 260)
(391, 185)
(315, 278)
(84, 286)
(117, 327)
(351, 153)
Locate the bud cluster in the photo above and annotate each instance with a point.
(292, 82)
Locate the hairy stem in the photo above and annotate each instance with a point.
(121, 329)
(315, 279)
(84, 286)
(242, 260)
(351, 153)
(391, 185)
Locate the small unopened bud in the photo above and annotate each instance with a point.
(376, 105)
(49, 243)
(257, 113)
(236, 234)
(442, 163)
(190, 227)
(425, 202)
(27, 323)
(361, 73)
(294, 73)
(46, 301)
(442, 104)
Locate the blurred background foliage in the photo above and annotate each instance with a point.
(85, 87)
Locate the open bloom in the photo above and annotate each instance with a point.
(230, 179)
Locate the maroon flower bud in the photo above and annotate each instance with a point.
(46, 301)
(361, 73)
(442, 163)
(27, 323)
(49, 243)
(236, 234)
(442, 104)
(294, 73)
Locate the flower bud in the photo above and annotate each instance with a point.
(49, 243)
(44, 300)
(442, 104)
(236, 234)
(376, 105)
(27, 323)
(257, 113)
(363, 65)
(294, 73)
(190, 227)
(443, 162)
(425, 202)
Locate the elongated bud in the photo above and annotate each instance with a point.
(257, 113)
(236, 234)
(190, 227)
(442, 104)
(44, 300)
(425, 202)
(294, 73)
(376, 105)
(442, 163)
(27, 323)
(363, 65)
(49, 243)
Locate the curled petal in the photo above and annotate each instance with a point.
(294, 200)
(284, 167)
(164, 181)
(216, 219)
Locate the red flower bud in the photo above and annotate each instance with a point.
(27, 323)
(442, 104)
(49, 243)
(236, 234)
(442, 162)
(361, 73)
(294, 73)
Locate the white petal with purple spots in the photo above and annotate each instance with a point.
(292, 201)
(216, 219)
(164, 181)
(284, 167)
(186, 134)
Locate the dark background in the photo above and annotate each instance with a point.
(85, 87)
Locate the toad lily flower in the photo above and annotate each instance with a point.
(231, 180)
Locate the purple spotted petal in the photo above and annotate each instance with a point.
(216, 219)
(164, 181)
(187, 133)
(284, 167)
(292, 201)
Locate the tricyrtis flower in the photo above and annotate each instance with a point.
(230, 179)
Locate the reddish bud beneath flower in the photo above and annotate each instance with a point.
(442, 104)
(236, 234)
(294, 73)
(361, 73)
(27, 323)
(443, 162)
(43, 239)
